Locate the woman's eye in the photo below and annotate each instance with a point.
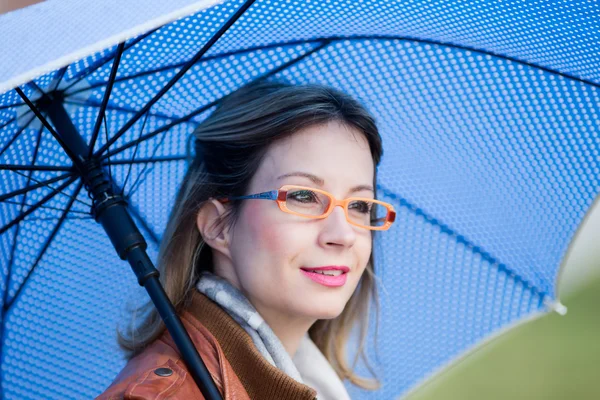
(303, 196)
(360, 206)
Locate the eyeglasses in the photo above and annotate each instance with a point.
(317, 204)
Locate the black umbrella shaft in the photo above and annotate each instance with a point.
(66, 130)
(169, 316)
(110, 210)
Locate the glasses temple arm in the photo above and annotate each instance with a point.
(270, 195)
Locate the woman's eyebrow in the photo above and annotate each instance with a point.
(315, 179)
(360, 188)
(319, 181)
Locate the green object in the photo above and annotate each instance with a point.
(552, 357)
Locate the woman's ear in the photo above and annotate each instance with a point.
(210, 224)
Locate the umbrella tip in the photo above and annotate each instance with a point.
(558, 307)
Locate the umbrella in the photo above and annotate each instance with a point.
(488, 112)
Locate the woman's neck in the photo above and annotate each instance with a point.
(289, 329)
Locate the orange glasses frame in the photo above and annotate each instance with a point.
(280, 196)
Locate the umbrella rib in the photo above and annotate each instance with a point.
(11, 105)
(106, 132)
(9, 270)
(134, 154)
(88, 218)
(37, 205)
(47, 243)
(36, 87)
(22, 204)
(30, 173)
(75, 102)
(16, 135)
(206, 59)
(45, 123)
(93, 68)
(142, 175)
(16, 167)
(10, 121)
(178, 75)
(150, 160)
(61, 192)
(38, 185)
(58, 79)
(337, 39)
(463, 240)
(16, 118)
(462, 47)
(33, 160)
(145, 225)
(109, 86)
(44, 207)
(212, 104)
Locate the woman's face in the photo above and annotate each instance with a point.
(270, 248)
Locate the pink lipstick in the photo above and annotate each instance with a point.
(327, 280)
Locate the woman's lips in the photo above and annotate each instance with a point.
(327, 280)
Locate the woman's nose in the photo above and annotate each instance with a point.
(337, 230)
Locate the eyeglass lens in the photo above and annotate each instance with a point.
(308, 202)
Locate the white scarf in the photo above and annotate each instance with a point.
(309, 366)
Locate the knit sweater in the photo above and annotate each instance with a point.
(238, 369)
(260, 379)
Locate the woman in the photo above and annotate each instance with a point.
(268, 274)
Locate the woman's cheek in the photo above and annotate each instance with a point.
(265, 228)
(367, 251)
(364, 247)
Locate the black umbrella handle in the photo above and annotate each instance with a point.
(110, 210)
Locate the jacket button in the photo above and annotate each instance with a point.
(163, 371)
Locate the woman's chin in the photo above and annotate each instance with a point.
(320, 312)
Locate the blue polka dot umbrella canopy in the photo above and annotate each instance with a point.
(490, 121)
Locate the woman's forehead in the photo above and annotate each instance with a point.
(337, 155)
(320, 182)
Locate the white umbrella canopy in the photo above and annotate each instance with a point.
(488, 112)
(44, 37)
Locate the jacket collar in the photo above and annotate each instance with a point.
(260, 379)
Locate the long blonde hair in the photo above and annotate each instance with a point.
(230, 145)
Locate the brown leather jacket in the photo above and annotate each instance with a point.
(236, 366)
